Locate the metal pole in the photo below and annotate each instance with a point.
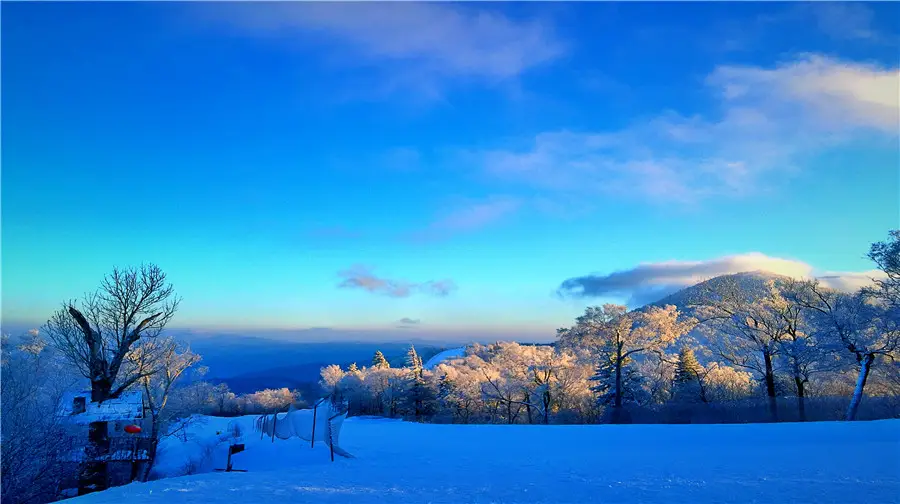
(312, 440)
(274, 424)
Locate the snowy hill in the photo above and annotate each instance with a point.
(399, 462)
(751, 282)
(452, 353)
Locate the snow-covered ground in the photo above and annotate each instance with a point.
(412, 463)
(452, 353)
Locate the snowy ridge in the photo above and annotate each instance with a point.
(453, 353)
(827, 462)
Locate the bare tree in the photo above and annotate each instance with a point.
(131, 304)
(746, 332)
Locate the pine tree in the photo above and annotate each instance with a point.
(379, 362)
(353, 369)
(686, 385)
(688, 369)
(414, 361)
(605, 378)
(420, 399)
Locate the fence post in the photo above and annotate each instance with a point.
(312, 439)
(274, 424)
(330, 440)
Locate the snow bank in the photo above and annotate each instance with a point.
(400, 462)
(453, 353)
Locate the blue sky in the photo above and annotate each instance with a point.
(352, 165)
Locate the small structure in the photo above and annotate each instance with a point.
(104, 453)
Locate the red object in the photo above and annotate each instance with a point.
(132, 429)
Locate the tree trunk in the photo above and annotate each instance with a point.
(100, 390)
(770, 385)
(151, 454)
(865, 367)
(618, 402)
(528, 408)
(546, 407)
(801, 397)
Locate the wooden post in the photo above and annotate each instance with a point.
(228, 462)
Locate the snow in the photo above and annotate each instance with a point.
(127, 406)
(453, 353)
(840, 462)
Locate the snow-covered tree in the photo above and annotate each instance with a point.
(724, 383)
(413, 361)
(32, 436)
(865, 326)
(378, 361)
(744, 329)
(687, 380)
(169, 361)
(616, 336)
(886, 256)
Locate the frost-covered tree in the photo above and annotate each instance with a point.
(724, 383)
(886, 256)
(865, 326)
(169, 361)
(378, 361)
(744, 329)
(31, 435)
(413, 361)
(616, 336)
(386, 387)
(687, 380)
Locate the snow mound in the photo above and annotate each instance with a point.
(453, 353)
(827, 462)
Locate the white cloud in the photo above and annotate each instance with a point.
(433, 40)
(648, 282)
(767, 121)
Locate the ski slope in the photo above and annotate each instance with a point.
(400, 462)
(453, 353)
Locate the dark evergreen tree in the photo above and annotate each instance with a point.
(605, 379)
(379, 362)
(420, 399)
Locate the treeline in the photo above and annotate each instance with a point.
(781, 350)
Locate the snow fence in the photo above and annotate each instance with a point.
(322, 423)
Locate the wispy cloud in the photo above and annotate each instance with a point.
(362, 277)
(767, 121)
(648, 282)
(469, 215)
(430, 41)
